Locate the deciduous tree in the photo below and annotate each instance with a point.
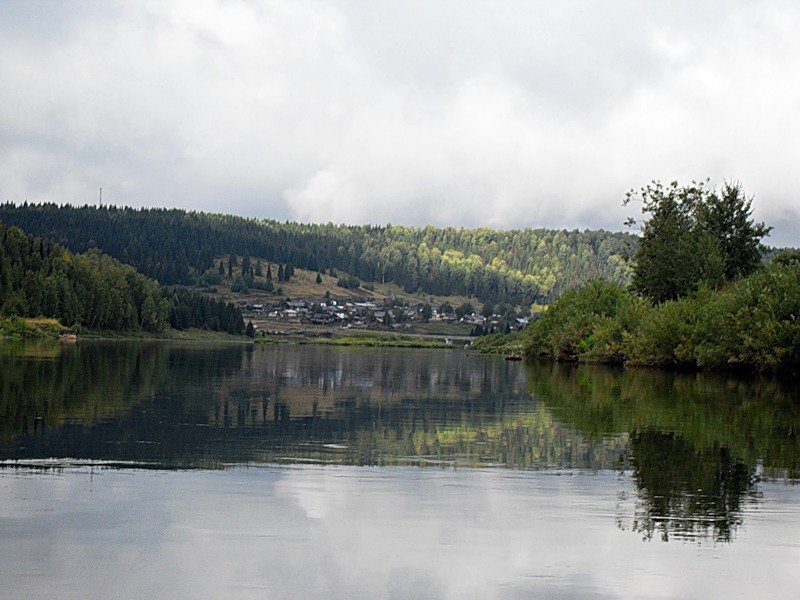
(693, 236)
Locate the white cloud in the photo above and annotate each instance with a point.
(506, 114)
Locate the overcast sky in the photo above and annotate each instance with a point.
(451, 113)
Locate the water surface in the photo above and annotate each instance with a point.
(201, 470)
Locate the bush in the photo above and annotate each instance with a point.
(588, 324)
(657, 337)
(349, 282)
(753, 323)
(240, 286)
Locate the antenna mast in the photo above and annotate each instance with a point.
(101, 197)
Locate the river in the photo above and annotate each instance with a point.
(153, 469)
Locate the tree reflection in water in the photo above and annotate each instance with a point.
(694, 445)
(697, 443)
(686, 493)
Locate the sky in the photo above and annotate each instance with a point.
(500, 114)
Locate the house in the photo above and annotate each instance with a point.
(290, 315)
(473, 319)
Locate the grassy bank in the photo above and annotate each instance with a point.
(20, 328)
(375, 341)
(512, 344)
(41, 328)
(168, 334)
(278, 327)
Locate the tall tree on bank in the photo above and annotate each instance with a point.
(727, 216)
(693, 236)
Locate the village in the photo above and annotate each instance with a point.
(388, 314)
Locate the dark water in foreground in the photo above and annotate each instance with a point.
(165, 470)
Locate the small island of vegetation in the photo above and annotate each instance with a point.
(700, 297)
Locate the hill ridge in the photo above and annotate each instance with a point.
(176, 246)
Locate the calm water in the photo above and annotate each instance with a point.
(136, 470)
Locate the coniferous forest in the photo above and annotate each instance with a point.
(175, 247)
(98, 292)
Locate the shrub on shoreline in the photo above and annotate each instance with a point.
(753, 323)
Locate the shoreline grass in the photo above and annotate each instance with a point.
(359, 341)
(507, 344)
(17, 328)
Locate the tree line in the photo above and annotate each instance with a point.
(94, 290)
(177, 247)
(190, 309)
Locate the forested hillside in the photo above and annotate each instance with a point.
(95, 291)
(174, 246)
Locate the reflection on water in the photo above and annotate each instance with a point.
(207, 406)
(695, 446)
(685, 492)
(698, 444)
(46, 385)
(350, 532)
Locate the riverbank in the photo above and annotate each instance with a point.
(371, 341)
(19, 328)
(297, 333)
(752, 324)
(196, 335)
(510, 344)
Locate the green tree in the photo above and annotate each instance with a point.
(426, 312)
(727, 217)
(693, 236)
(465, 309)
